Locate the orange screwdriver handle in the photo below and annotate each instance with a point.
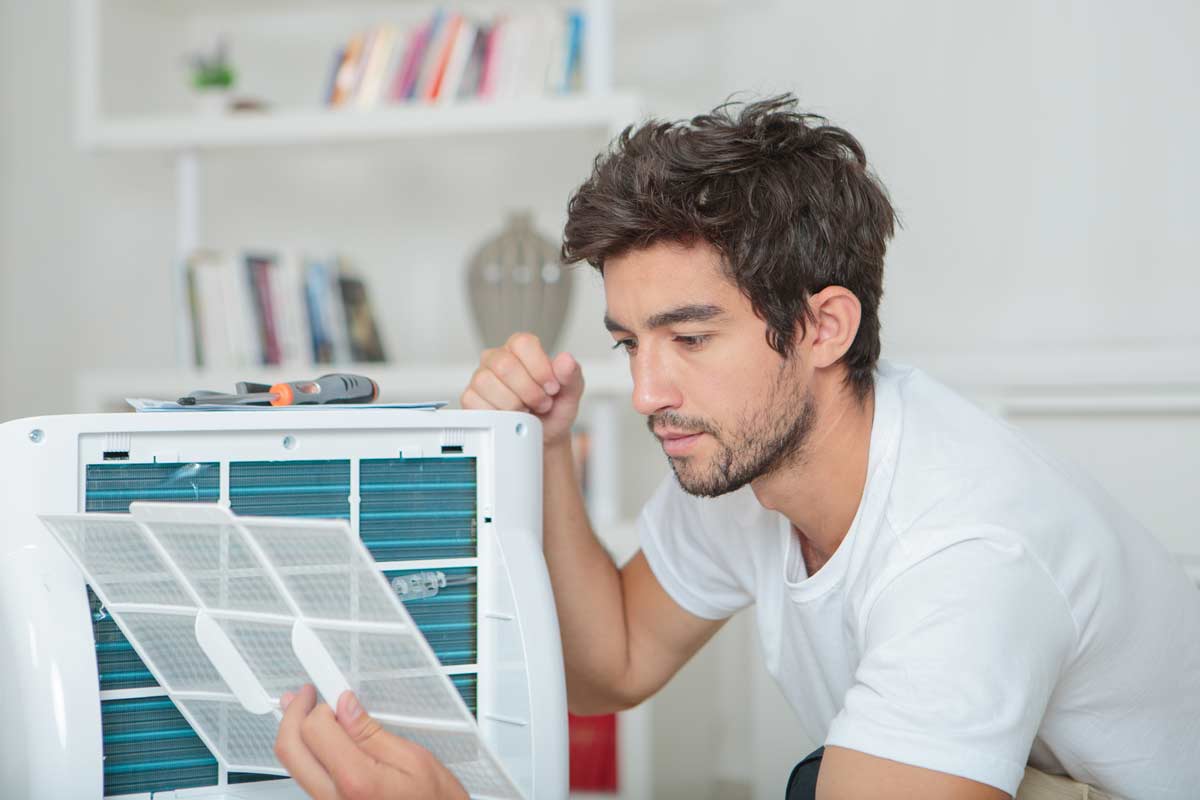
(338, 387)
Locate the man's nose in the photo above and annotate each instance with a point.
(653, 388)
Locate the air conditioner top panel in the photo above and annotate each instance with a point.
(363, 417)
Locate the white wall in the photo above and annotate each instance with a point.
(1041, 155)
(1042, 158)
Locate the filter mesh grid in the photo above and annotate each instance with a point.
(326, 581)
(169, 640)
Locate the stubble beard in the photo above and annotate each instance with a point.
(766, 439)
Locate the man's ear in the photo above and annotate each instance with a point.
(834, 317)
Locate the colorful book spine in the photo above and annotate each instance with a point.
(258, 270)
(448, 57)
(343, 83)
(439, 57)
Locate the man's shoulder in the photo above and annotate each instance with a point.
(956, 463)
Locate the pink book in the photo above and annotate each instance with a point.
(406, 74)
(487, 75)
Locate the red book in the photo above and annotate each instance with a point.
(260, 284)
(406, 75)
(593, 749)
(487, 72)
(442, 57)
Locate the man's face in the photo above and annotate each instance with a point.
(727, 408)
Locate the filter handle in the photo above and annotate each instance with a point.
(319, 665)
(233, 668)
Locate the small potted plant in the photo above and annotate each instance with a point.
(212, 79)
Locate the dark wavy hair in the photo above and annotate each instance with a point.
(785, 198)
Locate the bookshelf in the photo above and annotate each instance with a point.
(109, 121)
(184, 133)
(129, 101)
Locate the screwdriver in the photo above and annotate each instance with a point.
(337, 387)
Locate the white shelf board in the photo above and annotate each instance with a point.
(608, 113)
(98, 389)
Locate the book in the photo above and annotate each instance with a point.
(278, 308)
(206, 302)
(470, 83)
(403, 78)
(315, 291)
(234, 308)
(456, 62)
(343, 84)
(331, 87)
(374, 74)
(592, 740)
(327, 316)
(291, 318)
(538, 51)
(438, 58)
(488, 69)
(572, 69)
(369, 41)
(417, 66)
(361, 330)
(336, 311)
(426, 63)
(258, 273)
(592, 744)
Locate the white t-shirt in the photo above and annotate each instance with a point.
(988, 607)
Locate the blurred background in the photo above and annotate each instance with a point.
(366, 155)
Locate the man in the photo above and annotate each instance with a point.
(942, 603)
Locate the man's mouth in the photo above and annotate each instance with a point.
(677, 443)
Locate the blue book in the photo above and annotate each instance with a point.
(574, 61)
(316, 292)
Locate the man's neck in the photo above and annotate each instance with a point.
(820, 493)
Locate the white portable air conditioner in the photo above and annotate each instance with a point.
(446, 503)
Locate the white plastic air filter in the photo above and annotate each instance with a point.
(229, 613)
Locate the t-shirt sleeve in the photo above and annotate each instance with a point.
(960, 654)
(696, 552)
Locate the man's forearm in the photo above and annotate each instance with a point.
(587, 592)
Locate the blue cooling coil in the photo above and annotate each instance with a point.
(418, 508)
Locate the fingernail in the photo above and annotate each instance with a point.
(546, 405)
(350, 709)
(551, 387)
(286, 699)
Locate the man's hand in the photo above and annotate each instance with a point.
(349, 756)
(520, 377)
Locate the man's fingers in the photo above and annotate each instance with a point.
(568, 372)
(354, 772)
(292, 752)
(369, 735)
(407, 758)
(495, 392)
(471, 399)
(528, 348)
(515, 375)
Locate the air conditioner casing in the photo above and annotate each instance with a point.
(53, 742)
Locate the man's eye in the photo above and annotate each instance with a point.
(629, 345)
(692, 342)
